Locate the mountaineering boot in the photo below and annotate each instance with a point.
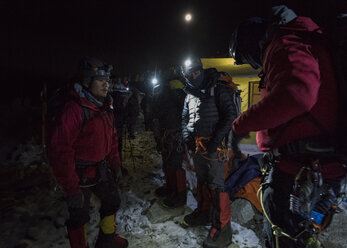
(107, 237)
(178, 197)
(220, 234)
(197, 218)
(221, 238)
(201, 215)
(177, 201)
(162, 191)
(111, 240)
(77, 237)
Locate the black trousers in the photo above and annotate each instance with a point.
(107, 191)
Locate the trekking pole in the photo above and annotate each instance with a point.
(124, 143)
(131, 153)
(43, 119)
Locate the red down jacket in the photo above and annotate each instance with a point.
(77, 139)
(298, 79)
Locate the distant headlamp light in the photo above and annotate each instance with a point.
(187, 63)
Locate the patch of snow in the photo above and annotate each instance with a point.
(249, 149)
(26, 153)
(40, 218)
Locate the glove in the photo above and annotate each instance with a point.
(190, 145)
(211, 147)
(75, 201)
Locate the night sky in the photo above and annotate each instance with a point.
(43, 41)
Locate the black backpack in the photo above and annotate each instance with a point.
(54, 102)
(335, 38)
(336, 33)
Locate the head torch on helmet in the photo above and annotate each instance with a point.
(191, 65)
(95, 69)
(193, 73)
(104, 71)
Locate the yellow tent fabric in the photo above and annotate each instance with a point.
(176, 84)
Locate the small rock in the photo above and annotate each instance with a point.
(157, 214)
(242, 211)
(233, 246)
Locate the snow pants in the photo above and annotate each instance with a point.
(172, 154)
(107, 191)
(210, 171)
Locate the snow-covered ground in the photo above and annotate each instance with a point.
(135, 223)
(35, 217)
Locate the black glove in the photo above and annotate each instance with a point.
(190, 145)
(211, 147)
(75, 201)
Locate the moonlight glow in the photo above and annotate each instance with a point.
(188, 17)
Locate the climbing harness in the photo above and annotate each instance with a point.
(277, 231)
(171, 139)
(309, 193)
(102, 175)
(222, 152)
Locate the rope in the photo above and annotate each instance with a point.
(277, 231)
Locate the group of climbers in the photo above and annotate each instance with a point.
(201, 118)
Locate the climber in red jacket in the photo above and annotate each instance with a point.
(294, 120)
(83, 152)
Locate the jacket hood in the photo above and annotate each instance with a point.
(86, 99)
(283, 19)
(301, 23)
(281, 14)
(211, 76)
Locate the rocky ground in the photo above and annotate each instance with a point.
(33, 213)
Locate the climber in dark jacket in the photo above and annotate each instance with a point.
(167, 109)
(207, 116)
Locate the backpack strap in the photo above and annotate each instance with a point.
(229, 82)
(86, 114)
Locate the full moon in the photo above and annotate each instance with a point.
(188, 17)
